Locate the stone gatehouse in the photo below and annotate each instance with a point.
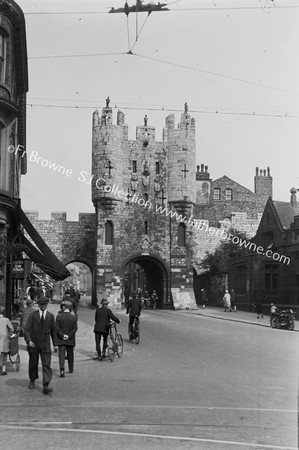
(153, 210)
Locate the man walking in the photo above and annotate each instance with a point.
(39, 328)
(66, 328)
(103, 316)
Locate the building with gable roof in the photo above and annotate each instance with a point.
(272, 271)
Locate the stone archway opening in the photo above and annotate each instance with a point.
(81, 279)
(148, 274)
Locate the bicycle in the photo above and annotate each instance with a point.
(114, 342)
(134, 332)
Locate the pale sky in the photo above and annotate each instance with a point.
(234, 62)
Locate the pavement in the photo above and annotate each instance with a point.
(235, 316)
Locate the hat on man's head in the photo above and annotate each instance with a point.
(66, 304)
(104, 301)
(29, 302)
(43, 301)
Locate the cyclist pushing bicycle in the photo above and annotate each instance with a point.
(103, 316)
(134, 309)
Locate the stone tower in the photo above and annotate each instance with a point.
(144, 193)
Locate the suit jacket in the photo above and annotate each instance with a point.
(134, 307)
(39, 335)
(66, 323)
(103, 316)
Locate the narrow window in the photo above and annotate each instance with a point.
(146, 196)
(109, 233)
(228, 194)
(134, 166)
(271, 277)
(216, 194)
(157, 168)
(145, 227)
(2, 57)
(182, 235)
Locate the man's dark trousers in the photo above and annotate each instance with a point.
(45, 357)
(98, 336)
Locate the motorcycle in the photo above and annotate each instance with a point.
(283, 319)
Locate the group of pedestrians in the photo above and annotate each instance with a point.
(40, 329)
(229, 300)
(147, 301)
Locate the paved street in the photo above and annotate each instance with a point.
(193, 382)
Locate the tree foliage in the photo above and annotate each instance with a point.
(217, 263)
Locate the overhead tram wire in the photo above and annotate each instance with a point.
(128, 32)
(162, 108)
(228, 77)
(221, 8)
(150, 58)
(88, 55)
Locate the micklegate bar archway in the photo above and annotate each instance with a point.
(155, 216)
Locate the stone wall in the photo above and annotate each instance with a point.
(68, 240)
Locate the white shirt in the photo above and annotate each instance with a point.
(41, 313)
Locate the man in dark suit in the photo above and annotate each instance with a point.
(66, 328)
(39, 328)
(134, 309)
(103, 316)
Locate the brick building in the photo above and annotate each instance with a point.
(275, 275)
(14, 264)
(13, 89)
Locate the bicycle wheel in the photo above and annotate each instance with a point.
(137, 333)
(129, 333)
(120, 345)
(110, 349)
(292, 324)
(18, 361)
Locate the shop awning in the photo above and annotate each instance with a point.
(40, 253)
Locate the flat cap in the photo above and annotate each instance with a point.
(43, 301)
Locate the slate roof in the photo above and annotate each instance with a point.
(226, 178)
(286, 213)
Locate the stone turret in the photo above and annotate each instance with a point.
(180, 144)
(107, 159)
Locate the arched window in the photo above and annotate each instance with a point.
(109, 233)
(182, 235)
